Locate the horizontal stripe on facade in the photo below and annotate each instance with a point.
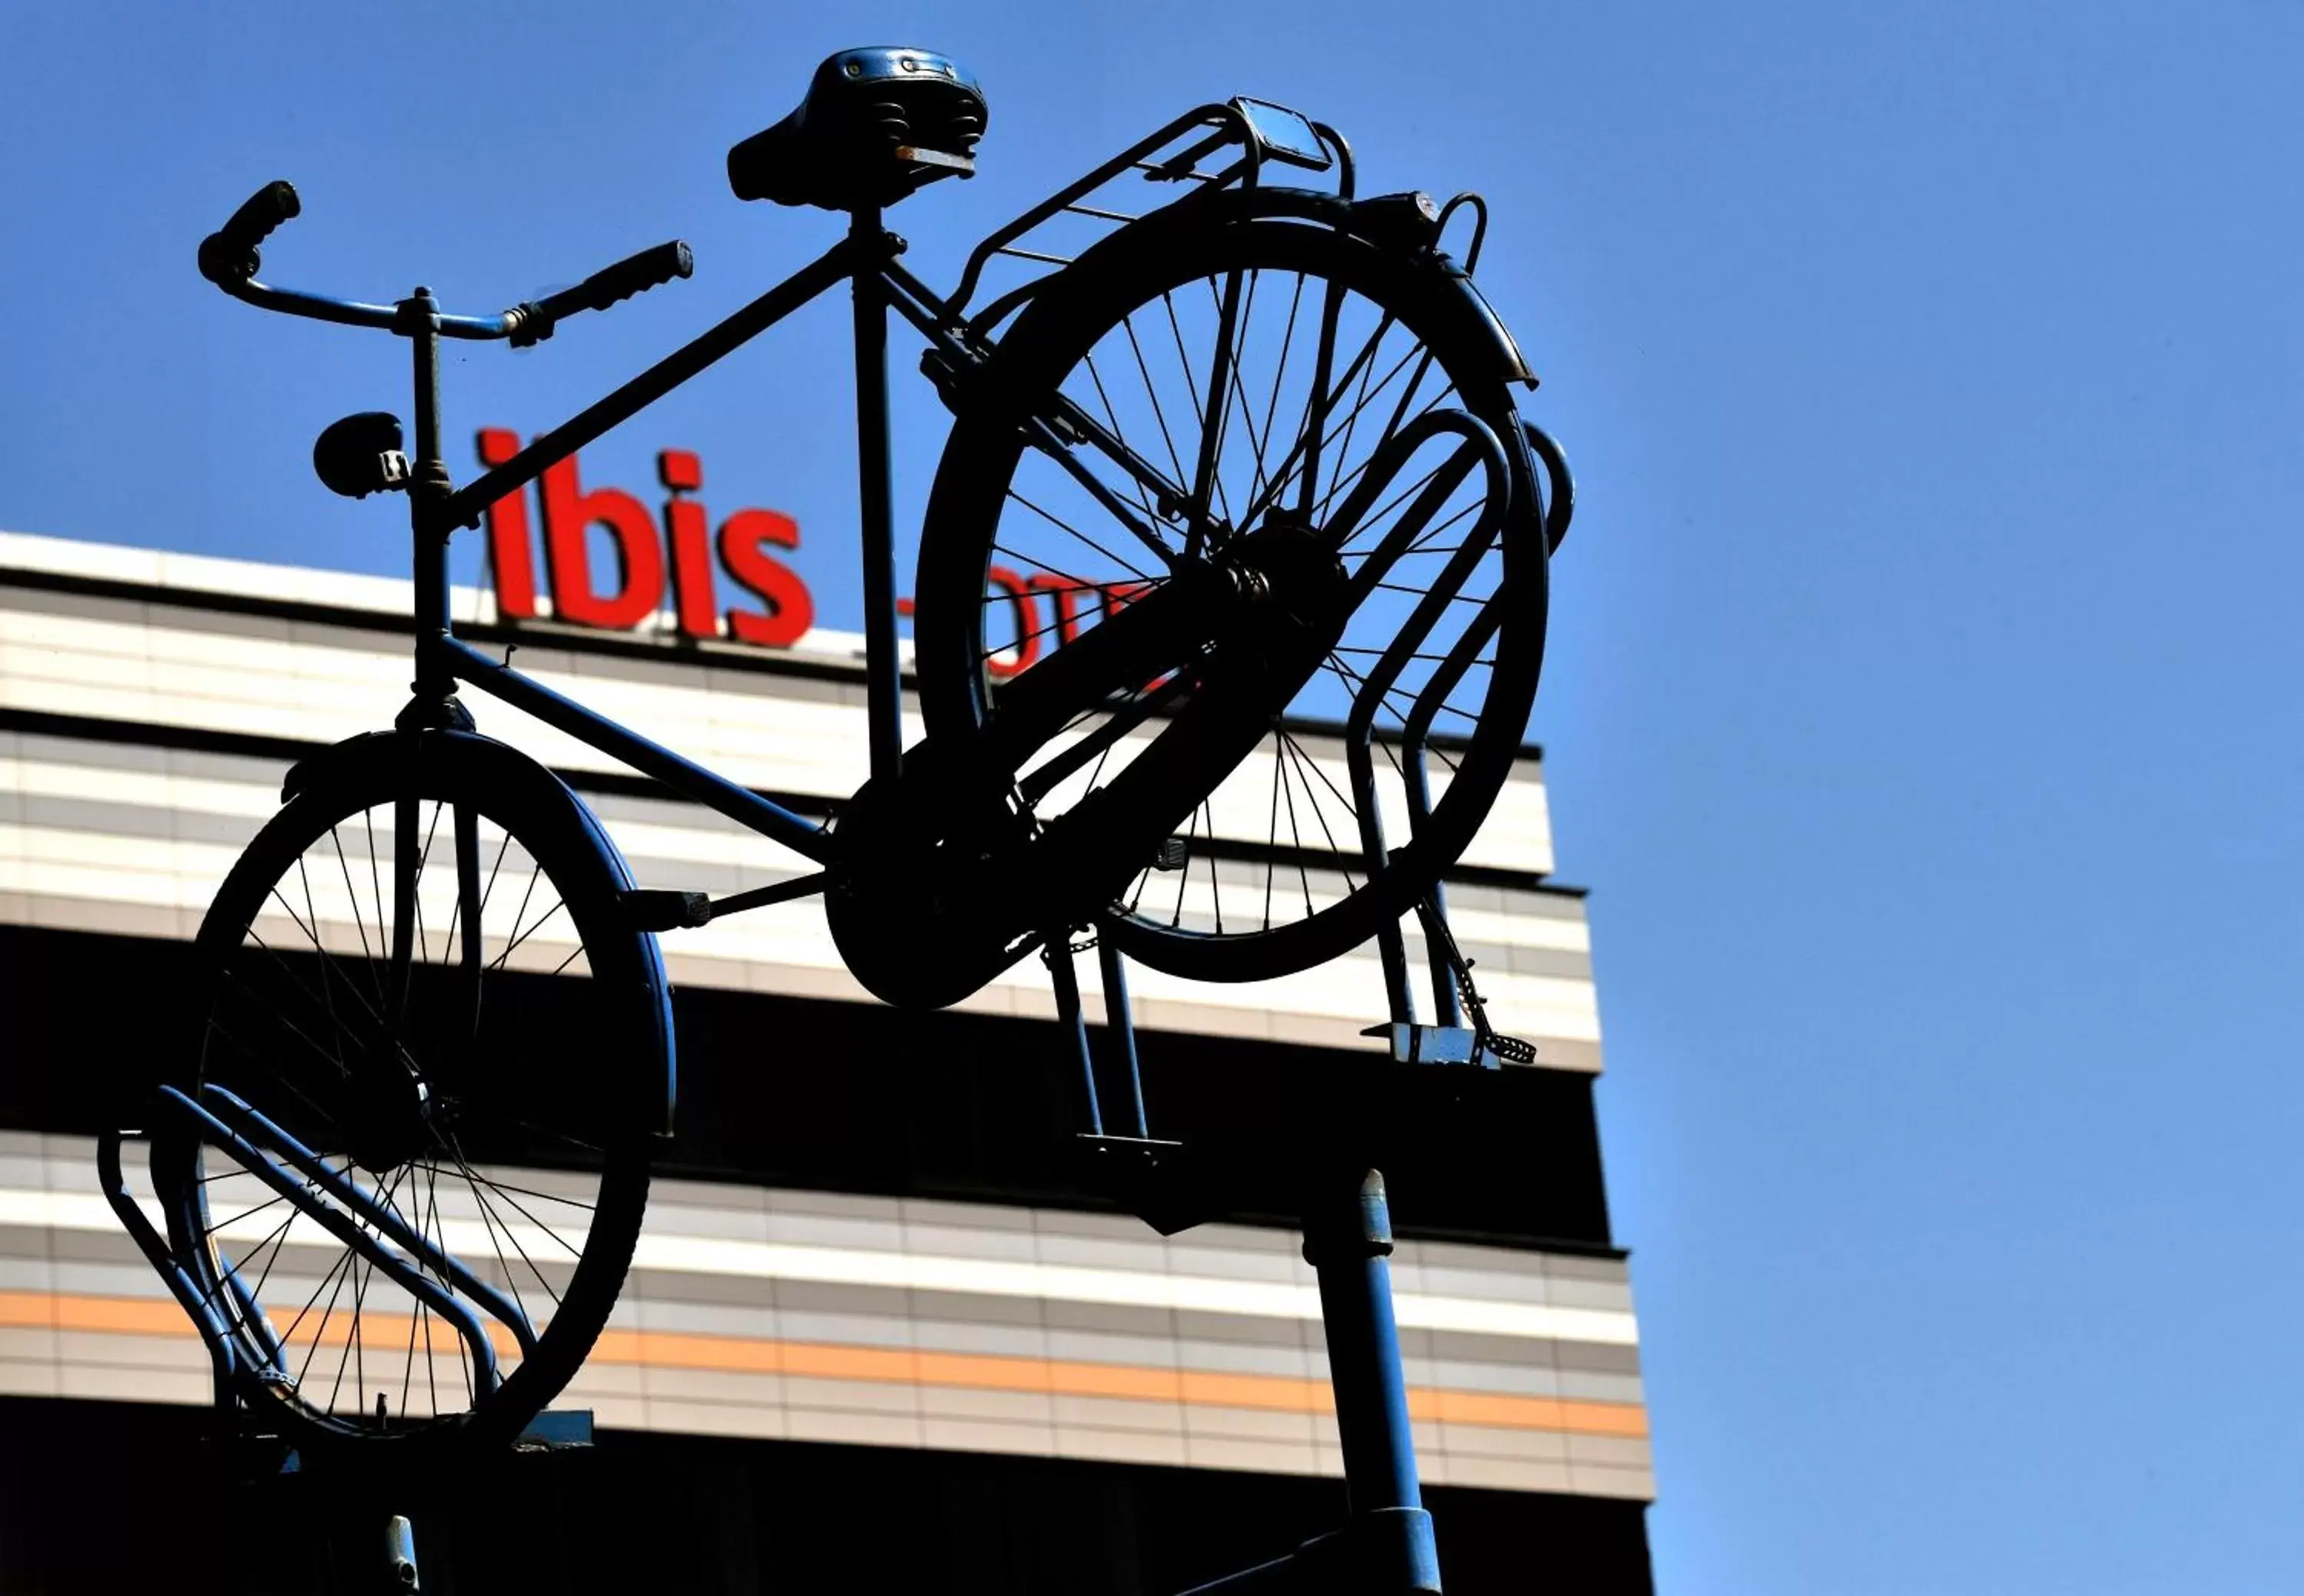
(881, 1366)
(667, 846)
(922, 1272)
(122, 660)
(87, 880)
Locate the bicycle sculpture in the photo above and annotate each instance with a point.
(1258, 447)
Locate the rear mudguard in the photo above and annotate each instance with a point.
(1301, 205)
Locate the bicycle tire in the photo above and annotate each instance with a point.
(317, 1015)
(1095, 305)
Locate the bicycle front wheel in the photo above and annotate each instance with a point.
(428, 1015)
(1201, 393)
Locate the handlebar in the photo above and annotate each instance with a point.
(635, 275)
(229, 259)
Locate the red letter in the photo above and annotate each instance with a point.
(511, 565)
(791, 611)
(1028, 622)
(1113, 597)
(568, 513)
(692, 543)
(1064, 594)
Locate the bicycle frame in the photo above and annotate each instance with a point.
(867, 258)
(1387, 1542)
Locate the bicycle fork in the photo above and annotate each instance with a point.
(1385, 1546)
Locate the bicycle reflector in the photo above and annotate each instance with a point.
(1283, 134)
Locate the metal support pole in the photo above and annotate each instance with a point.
(883, 682)
(1386, 1548)
(1059, 955)
(1347, 1239)
(1119, 1025)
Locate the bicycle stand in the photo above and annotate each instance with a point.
(1386, 1546)
(240, 1346)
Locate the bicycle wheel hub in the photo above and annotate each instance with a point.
(1288, 564)
(392, 1107)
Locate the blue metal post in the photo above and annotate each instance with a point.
(1121, 1026)
(1386, 1548)
(1059, 955)
(1347, 1239)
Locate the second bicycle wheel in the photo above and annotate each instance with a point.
(1307, 416)
(408, 1154)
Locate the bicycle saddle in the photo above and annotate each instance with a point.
(878, 123)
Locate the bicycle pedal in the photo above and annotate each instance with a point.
(659, 911)
(1511, 1049)
(1451, 1044)
(1174, 852)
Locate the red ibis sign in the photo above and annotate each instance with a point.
(626, 591)
(678, 553)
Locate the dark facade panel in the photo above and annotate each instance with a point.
(855, 1097)
(703, 1518)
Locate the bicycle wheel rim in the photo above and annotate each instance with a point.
(539, 1200)
(1061, 343)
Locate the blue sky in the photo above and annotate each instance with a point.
(1923, 698)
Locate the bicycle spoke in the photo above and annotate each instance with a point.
(1075, 532)
(310, 1302)
(1302, 460)
(423, 861)
(487, 1209)
(1295, 832)
(360, 921)
(1185, 877)
(1216, 881)
(512, 1202)
(1153, 394)
(512, 945)
(1279, 377)
(1303, 763)
(1112, 420)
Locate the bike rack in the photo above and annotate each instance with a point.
(241, 1342)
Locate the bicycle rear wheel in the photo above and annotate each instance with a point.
(428, 1015)
(1195, 395)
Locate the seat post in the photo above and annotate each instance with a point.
(884, 681)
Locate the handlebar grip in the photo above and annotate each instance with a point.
(229, 254)
(641, 273)
(261, 212)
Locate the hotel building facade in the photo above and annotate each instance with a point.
(879, 1334)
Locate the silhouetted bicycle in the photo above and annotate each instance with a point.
(1243, 461)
